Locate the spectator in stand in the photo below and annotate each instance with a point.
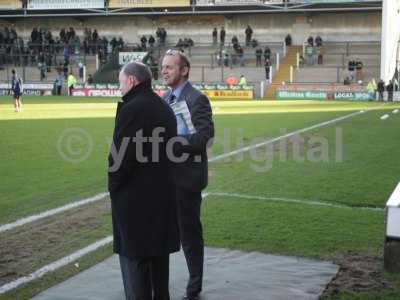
(318, 41)
(258, 56)
(381, 89)
(267, 53)
(158, 35)
(235, 41)
(222, 34)
(163, 35)
(389, 89)
(240, 53)
(218, 57)
(351, 68)
(320, 57)
(226, 58)
(81, 67)
(42, 70)
(310, 41)
(215, 36)
(288, 40)
(143, 41)
(359, 67)
(121, 44)
(114, 45)
(89, 79)
(59, 82)
(95, 36)
(62, 35)
(66, 54)
(248, 32)
(151, 41)
(267, 66)
(346, 81)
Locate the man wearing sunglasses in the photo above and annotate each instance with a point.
(191, 175)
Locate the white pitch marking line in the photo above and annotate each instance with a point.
(279, 199)
(271, 141)
(55, 265)
(48, 213)
(62, 262)
(51, 212)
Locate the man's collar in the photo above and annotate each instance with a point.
(140, 87)
(177, 92)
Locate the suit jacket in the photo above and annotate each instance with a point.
(143, 193)
(192, 174)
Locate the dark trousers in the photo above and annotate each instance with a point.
(145, 278)
(390, 96)
(191, 234)
(380, 95)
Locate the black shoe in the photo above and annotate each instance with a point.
(195, 297)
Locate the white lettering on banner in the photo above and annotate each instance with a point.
(104, 93)
(30, 86)
(127, 57)
(344, 95)
(79, 93)
(64, 4)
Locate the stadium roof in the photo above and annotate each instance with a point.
(228, 9)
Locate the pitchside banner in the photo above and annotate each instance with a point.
(128, 57)
(312, 95)
(10, 4)
(64, 4)
(216, 91)
(323, 92)
(147, 3)
(33, 89)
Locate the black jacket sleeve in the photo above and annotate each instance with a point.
(124, 157)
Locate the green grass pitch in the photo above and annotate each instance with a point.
(35, 176)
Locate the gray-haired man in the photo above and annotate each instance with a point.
(142, 188)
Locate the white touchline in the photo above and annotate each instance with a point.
(55, 265)
(288, 135)
(51, 212)
(308, 202)
(61, 262)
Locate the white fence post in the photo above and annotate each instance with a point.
(262, 89)
(84, 74)
(277, 61)
(97, 62)
(284, 49)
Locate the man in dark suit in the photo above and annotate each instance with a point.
(142, 188)
(191, 175)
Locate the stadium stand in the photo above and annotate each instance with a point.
(347, 35)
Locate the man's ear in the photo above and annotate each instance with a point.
(185, 71)
(134, 80)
